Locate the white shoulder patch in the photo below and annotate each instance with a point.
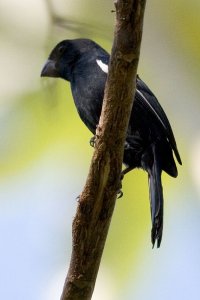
(103, 66)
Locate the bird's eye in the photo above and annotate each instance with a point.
(61, 50)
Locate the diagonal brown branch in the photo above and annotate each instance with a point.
(97, 201)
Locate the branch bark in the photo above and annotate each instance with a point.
(96, 204)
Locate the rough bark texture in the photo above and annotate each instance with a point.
(97, 201)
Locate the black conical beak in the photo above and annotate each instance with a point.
(49, 69)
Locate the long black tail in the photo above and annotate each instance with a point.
(156, 198)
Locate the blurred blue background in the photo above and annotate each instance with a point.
(45, 155)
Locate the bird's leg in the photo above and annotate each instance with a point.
(119, 191)
(125, 171)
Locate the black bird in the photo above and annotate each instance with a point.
(150, 142)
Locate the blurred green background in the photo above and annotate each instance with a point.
(45, 155)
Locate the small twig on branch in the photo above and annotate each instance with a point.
(97, 201)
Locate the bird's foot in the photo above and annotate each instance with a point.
(92, 141)
(121, 177)
(78, 198)
(119, 194)
(119, 191)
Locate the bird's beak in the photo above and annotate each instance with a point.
(49, 69)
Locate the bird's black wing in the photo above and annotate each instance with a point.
(147, 99)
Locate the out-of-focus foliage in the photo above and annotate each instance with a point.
(45, 155)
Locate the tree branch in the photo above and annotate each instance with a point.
(97, 201)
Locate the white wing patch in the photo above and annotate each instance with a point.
(103, 66)
(151, 108)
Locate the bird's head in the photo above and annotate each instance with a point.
(64, 56)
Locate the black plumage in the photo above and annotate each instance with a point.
(150, 142)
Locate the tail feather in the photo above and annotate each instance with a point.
(156, 199)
